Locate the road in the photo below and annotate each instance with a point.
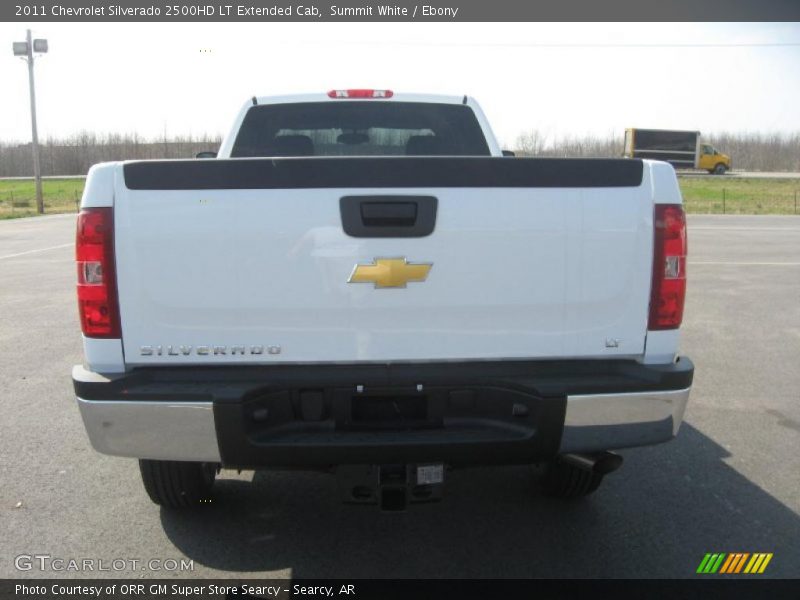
(744, 174)
(728, 483)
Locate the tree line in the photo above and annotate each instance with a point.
(749, 151)
(75, 154)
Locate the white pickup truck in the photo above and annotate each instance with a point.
(362, 282)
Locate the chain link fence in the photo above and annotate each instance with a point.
(729, 202)
(18, 197)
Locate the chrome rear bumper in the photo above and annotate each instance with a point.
(156, 430)
(165, 430)
(597, 422)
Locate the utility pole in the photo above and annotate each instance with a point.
(25, 50)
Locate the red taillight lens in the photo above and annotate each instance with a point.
(360, 94)
(97, 282)
(669, 268)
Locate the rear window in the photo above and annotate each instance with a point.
(341, 128)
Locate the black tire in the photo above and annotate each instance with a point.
(564, 480)
(176, 484)
(720, 169)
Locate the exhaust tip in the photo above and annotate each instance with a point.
(607, 462)
(601, 463)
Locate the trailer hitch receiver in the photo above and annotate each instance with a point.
(392, 487)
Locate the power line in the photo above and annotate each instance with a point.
(569, 45)
(614, 45)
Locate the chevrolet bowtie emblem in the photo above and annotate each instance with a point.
(390, 272)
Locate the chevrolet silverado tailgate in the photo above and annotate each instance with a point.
(248, 261)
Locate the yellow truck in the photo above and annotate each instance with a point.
(682, 149)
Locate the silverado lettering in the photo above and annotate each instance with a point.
(206, 350)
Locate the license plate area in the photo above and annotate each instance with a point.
(390, 409)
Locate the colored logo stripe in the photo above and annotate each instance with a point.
(734, 562)
(727, 564)
(758, 563)
(710, 563)
(703, 563)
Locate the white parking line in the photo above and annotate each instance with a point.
(34, 251)
(700, 228)
(749, 264)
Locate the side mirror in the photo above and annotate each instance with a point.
(206, 154)
(509, 153)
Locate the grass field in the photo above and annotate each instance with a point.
(751, 196)
(704, 195)
(18, 196)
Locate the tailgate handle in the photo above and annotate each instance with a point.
(388, 216)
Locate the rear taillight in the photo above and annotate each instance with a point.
(360, 94)
(97, 282)
(669, 268)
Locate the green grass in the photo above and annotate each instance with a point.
(731, 195)
(703, 195)
(18, 196)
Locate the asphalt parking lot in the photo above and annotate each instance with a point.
(730, 482)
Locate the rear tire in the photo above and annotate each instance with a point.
(566, 481)
(720, 169)
(175, 484)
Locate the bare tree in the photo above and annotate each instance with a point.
(749, 151)
(75, 154)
